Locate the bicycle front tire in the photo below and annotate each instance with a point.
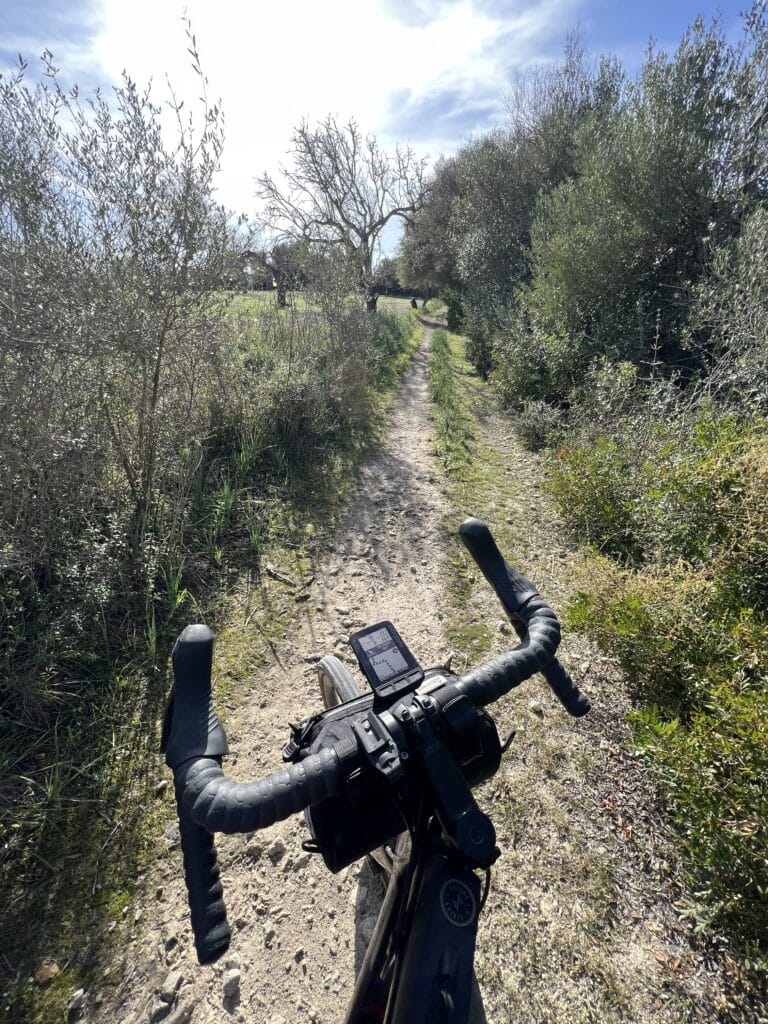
(336, 684)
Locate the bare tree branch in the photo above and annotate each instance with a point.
(341, 190)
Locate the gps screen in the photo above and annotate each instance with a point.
(384, 654)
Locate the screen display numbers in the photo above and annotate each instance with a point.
(384, 655)
(385, 660)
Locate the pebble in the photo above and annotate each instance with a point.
(170, 986)
(231, 985)
(536, 707)
(159, 1010)
(254, 849)
(181, 1014)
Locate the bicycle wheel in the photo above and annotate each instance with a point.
(336, 684)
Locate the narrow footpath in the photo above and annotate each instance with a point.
(580, 925)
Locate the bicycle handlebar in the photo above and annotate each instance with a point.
(517, 594)
(194, 741)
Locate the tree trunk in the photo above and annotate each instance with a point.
(371, 298)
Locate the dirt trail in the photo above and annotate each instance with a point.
(579, 925)
(298, 932)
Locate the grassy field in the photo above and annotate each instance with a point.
(246, 302)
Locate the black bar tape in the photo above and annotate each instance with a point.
(219, 805)
(486, 683)
(512, 588)
(206, 898)
(566, 691)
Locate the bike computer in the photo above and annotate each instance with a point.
(385, 660)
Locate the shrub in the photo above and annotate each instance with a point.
(712, 771)
(522, 368)
(593, 485)
(536, 424)
(692, 638)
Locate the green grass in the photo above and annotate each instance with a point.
(477, 484)
(455, 441)
(249, 303)
(435, 307)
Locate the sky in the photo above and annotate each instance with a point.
(427, 73)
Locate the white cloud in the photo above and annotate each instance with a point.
(274, 63)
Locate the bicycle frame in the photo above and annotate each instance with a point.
(419, 964)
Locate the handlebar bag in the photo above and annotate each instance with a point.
(367, 814)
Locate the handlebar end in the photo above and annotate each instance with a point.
(191, 727)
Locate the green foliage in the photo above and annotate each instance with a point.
(593, 486)
(712, 771)
(454, 438)
(689, 628)
(662, 491)
(615, 250)
(537, 423)
(730, 315)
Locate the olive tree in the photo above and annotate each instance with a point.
(341, 190)
(111, 349)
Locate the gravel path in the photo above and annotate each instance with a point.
(298, 932)
(579, 925)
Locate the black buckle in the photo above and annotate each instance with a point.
(299, 735)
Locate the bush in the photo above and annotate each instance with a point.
(536, 424)
(712, 771)
(593, 485)
(730, 318)
(660, 487)
(690, 630)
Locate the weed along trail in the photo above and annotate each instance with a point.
(298, 931)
